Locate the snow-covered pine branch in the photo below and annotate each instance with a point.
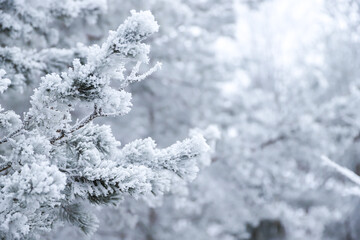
(25, 67)
(22, 20)
(34, 36)
(53, 168)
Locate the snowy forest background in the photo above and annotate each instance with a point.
(253, 105)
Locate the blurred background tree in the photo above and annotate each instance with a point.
(280, 78)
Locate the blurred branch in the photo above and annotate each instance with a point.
(273, 141)
(279, 138)
(5, 166)
(356, 138)
(342, 170)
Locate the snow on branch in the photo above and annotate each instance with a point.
(23, 19)
(4, 82)
(51, 169)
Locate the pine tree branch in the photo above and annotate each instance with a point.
(96, 113)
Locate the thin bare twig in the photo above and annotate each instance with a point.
(5, 166)
(272, 141)
(96, 113)
(10, 135)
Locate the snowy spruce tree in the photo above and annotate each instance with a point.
(53, 167)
